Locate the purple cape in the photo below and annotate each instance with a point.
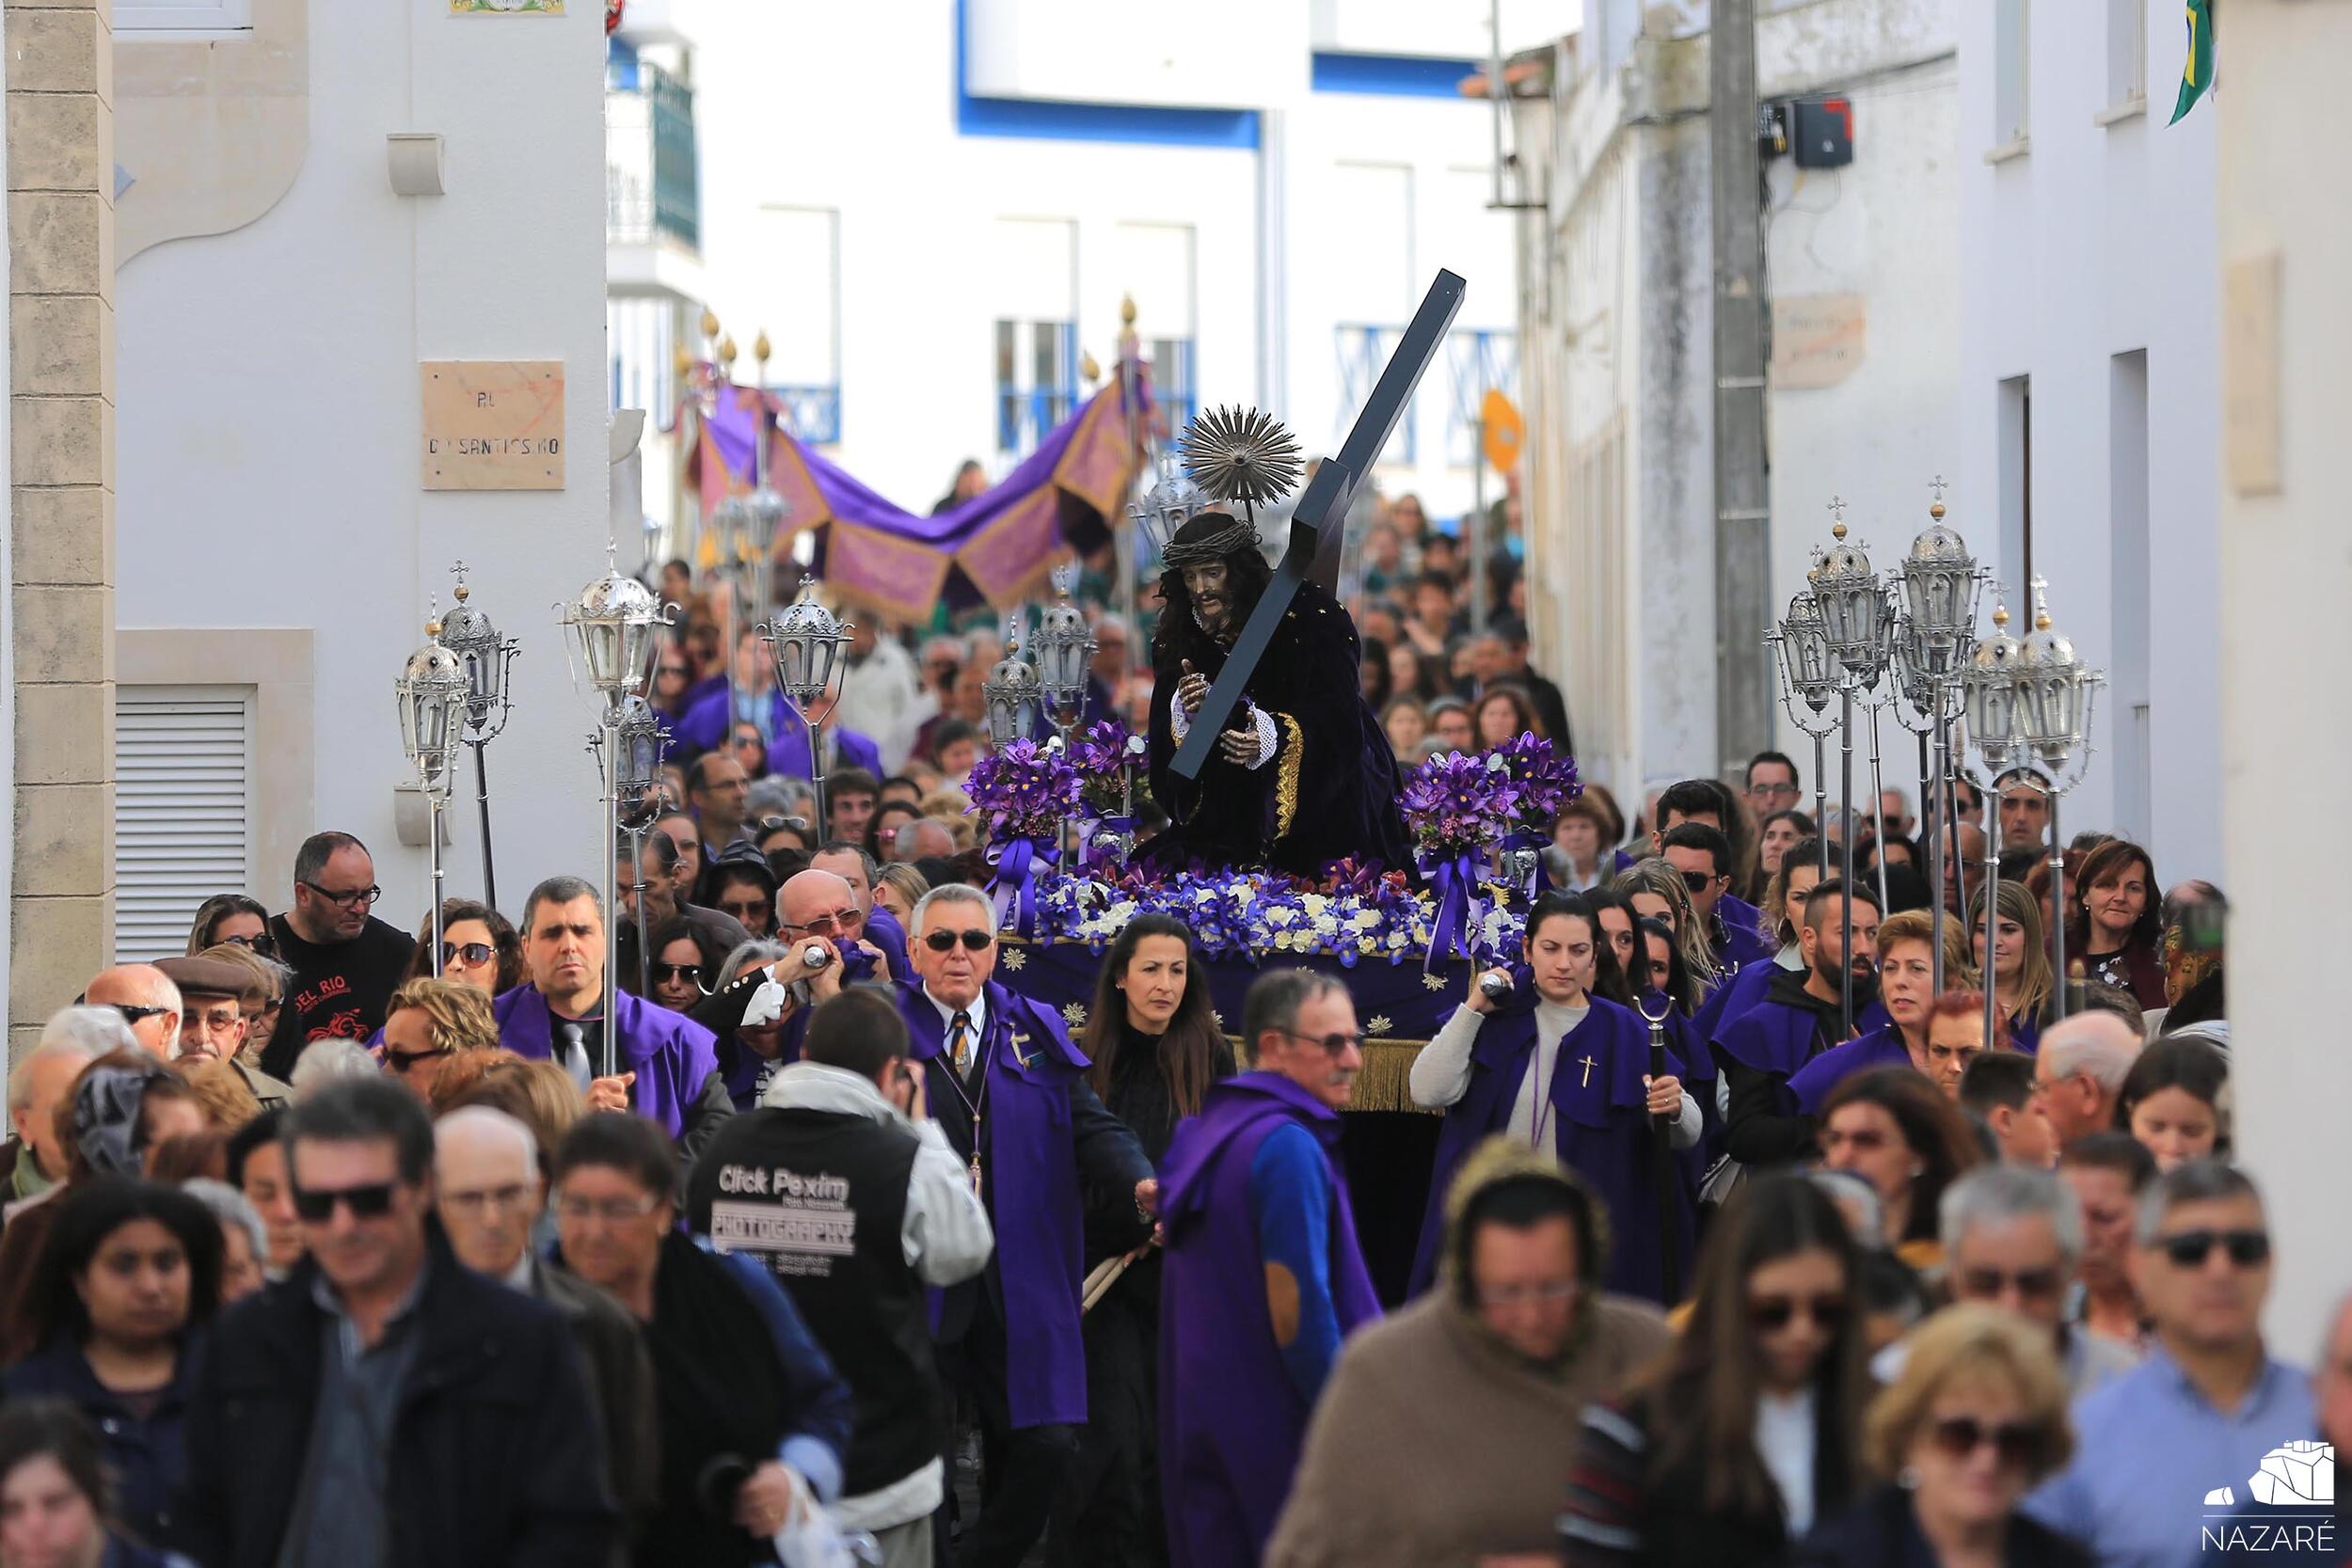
(1604, 1134)
(707, 721)
(1812, 1082)
(1032, 1172)
(1231, 1418)
(1732, 997)
(671, 1055)
(883, 930)
(1742, 943)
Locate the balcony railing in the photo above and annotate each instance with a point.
(650, 181)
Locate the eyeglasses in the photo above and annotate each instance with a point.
(1549, 1294)
(1869, 1140)
(313, 1205)
(2029, 1284)
(351, 900)
(1770, 1314)
(664, 973)
(135, 1014)
(974, 940)
(1336, 1044)
(849, 922)
(1697, 882)
(508, 1199)
(405, 1062)
(2189, 1250)
(470, 952)
(612, 1211)
(2015, 1444)
(777, 824)
(1773, 791)
(259, 943)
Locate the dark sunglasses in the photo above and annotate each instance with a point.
(1335, 1044)
(134, 1015)
(1770, 1314)
(2031, 1284)
(1697, 881)
(974, 941)
(405, 1062)
(352, 899)
(472, 952)
(2016, 1444)
(777, 824)
(260, 943)
(2189, 1250)
(370, 1202)
(664, 973)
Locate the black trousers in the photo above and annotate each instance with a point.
(1108, 1515)
(1021, 1468)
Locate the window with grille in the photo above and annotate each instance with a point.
(183, 829)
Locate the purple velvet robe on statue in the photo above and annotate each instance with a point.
(1604, 1132)
(1232, 1420)
(671, 1054)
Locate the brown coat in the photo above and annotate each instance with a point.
(1434, 1446)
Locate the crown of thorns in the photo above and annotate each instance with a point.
(1239, 454)
(1232, 540)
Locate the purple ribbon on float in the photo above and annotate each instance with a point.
(1015, 883)
(1453, 881)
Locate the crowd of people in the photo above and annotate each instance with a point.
(1746, 1240)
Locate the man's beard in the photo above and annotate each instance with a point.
(1215, 625)
(1865, 981)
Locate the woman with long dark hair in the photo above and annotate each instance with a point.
(479, 948)
(2021, 960)
(130, 1271)
(1748, 1430)
(1554, 1062)
(230, 917)
(1896, 1129)
(1152, 1036)
(2113, 922)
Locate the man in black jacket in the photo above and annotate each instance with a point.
(385, 1407)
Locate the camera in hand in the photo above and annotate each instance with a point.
(720, 1482)
(817, 955)
(1494, 987)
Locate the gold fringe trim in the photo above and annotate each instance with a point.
(1382, 1085)
(1286, 780)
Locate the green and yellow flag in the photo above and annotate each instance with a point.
(2197, 75)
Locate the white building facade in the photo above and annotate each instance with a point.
(1620, 359)
(936, 237)
(2090, 385)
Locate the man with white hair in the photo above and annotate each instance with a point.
(2079, 1069)
(33, 1162)
(2012, 1239)
(147, 1001)
(489, 1194)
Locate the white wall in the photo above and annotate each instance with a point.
(2098, 242)
(268, 456)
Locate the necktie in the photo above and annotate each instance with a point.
(572, 1051)
(960, 1044)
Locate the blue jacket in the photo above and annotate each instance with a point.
(147, 1454)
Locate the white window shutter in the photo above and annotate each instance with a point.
(183, 778)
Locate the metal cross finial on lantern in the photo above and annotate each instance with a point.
(1937, 485)
(805, 643)
(1065, 645)
(618, 623)
(431, 693)
(488, 657)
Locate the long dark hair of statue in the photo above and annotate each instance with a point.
(1179, 636)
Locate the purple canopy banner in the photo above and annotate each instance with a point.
(996, 548)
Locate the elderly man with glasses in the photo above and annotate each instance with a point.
(346, 964)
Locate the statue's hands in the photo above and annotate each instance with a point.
(1239, 747)
(1192, 691)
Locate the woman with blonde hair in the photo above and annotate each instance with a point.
(427, 1022)
(2019, 965)
(1975, 1421)
(1655, 890)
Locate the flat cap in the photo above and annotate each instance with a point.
(206, 976)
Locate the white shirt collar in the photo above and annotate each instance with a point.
(977, 1010)
(519, 1276)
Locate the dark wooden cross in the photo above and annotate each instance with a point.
(1319, 522)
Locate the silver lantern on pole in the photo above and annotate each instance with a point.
(431, 693)
(1989, 693)
(1012, 692)
(805, 645)
(1939, 584)
(2055, 694)
(489, 659)
(1809, 677)
(1856, 618)
(616, 624)
(1065, 649)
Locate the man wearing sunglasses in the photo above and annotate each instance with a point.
(2012, 1239)
(1263, 1277)
(149, 1003)
(1703, 856)
(667, 1068)
(381, 1355)
(346, 964)
(1008, 1090)
(2156, 1448)
(663, 904)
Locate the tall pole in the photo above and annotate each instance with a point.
(1477, 529)
(432, 854)
(1820, 805)
(1743, 691)
(610, 1045)
(637, 898)
(1845, 848)
(482, 794)
(1934, 817)
(2057, 912)
(1878, 818)
(1992, 928)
